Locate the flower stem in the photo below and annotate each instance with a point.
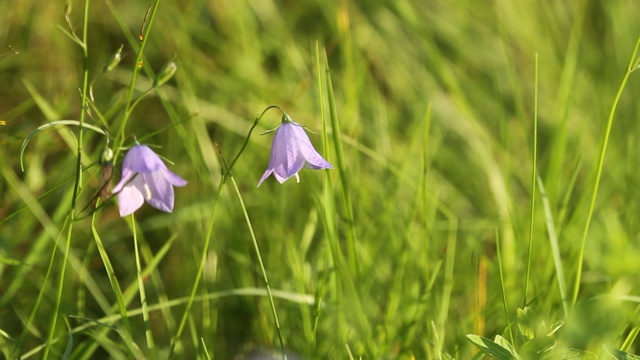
(246, 140)
(76, 186)
(129, 105)
(633, 65)
(196, 282)
(261, 263)
(143, 296)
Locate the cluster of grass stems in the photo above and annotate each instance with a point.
(483, 201)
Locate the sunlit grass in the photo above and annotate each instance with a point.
(483, 197)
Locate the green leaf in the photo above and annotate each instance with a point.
(505, 344)
(569, 354)
(10, 261)
(621, 355)
(492, 349)
(526, 322)
(536, 347)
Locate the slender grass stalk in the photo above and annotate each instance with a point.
(534, 170)
(127, 295)
(60, 288)
(347, 206)
(198, 277)
(327, 191)
(344, 287)
(447, 287)
(631, 337)
(207, 240)
(260, 263)
(555, 247)
(633, 65)
(77, 181)
(114, 318)
(115, 286)
(143, 295)
(505, 305)
(36, 306)
(253, 236)
(85, 102)
(149, 258)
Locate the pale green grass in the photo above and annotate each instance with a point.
(484, 197)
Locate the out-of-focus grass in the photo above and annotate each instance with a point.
(466, 66)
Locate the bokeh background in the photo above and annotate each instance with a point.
(436, 105)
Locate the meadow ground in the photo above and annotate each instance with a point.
(483, 200)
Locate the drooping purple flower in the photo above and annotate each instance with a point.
(145, 177)
(291, 150)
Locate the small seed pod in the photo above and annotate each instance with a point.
(115, 60)
(165, 74)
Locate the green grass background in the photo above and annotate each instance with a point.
(436, 105)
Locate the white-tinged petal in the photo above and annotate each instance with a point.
(127, 175)
(145, 177)
(130, 197)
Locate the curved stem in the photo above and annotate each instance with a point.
(246, 140)
(633, 64)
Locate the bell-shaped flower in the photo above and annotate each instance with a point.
(291, 150)
(145, 177)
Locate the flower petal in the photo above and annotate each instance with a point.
(289, 160)
(127, 176)
(265, 176)
(291, 150)
(141, 159)
(130, 197)
(146, 177)
(160, 189)
(172, 178)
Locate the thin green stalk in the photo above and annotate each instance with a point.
(555, 246)
(631, 337)
(347, 206)
(326, 198)
(76, 186)
(36, 306)
(503, 287)
(134, 74)
(196, 282)
(253, 235)
(143, 295)
(261, 263)
(246, 140)
(534, 170)
(448, 280)
(633, 64)
(207, 240)
(344, 288)
(60, 288)
(85, 102)
(112, 277)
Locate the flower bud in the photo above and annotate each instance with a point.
(165, 74)
(115, 60)
(107, 156)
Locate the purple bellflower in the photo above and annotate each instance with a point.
(292, 150)
(145, 177)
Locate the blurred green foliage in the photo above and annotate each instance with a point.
(467, 66)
